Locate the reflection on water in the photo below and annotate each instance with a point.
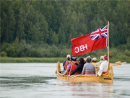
(91, 90)
(38, 80)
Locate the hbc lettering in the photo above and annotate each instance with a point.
(81, 48)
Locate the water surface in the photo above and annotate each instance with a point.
(38, 80)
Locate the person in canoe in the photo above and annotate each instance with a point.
(66, 62)
(94, 61)
(103, 67)
(88, 68)
(99, 63)
(101, 60)
(79, 67)
(72, 66)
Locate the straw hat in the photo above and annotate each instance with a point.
(101, 57)
(68, 56)
(94, 59)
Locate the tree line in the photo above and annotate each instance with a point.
(44, 28)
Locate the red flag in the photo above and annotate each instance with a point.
(88, 43)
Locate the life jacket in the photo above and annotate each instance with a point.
(73, 67)
(66, 64)
(76, 62)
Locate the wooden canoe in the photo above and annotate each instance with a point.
(107, 78)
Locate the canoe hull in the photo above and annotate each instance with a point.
(107, 78)
(86, 78)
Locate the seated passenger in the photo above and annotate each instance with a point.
(71, 67)
(103, 67)
(79, 67)
(88, 68)
(101, 60)
(66, 62)
(99, 63)
(94, 61)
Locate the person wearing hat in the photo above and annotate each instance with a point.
(101, 60)
(72, 66)
(103, 67)
(88, 68)
(94, 61)
(66, 62)
(99, 63)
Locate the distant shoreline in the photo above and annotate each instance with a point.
(30, 60)
(40, 60)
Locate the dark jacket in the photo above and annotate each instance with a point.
(79, 68)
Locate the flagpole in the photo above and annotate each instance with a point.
(108, 43)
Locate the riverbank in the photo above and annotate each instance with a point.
(41, 60)
(30, 60)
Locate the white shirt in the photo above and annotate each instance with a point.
(103, 67)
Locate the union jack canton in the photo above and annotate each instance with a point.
(99, 33)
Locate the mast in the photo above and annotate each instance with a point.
(108, 43)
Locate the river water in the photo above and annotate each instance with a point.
(38, 80)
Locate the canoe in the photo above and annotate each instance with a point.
(106, 78)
